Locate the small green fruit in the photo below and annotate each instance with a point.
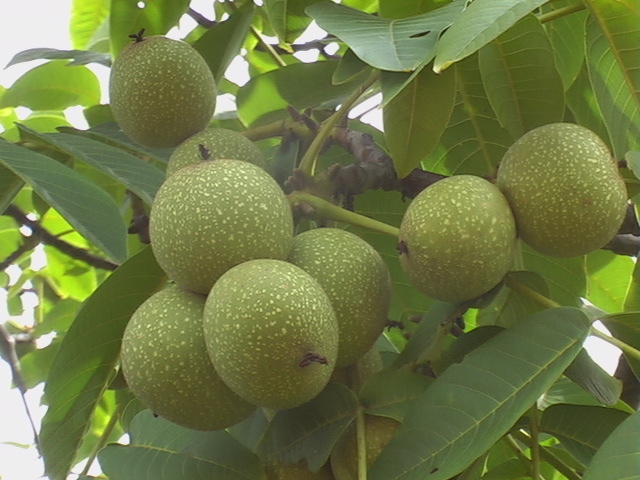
(344, 458)
(214, 144)
(457, 238)
(297, 471)
(564, 188)
(165, 362)
(161, 90)
(356, 280)
(271, 333)
(208, 217)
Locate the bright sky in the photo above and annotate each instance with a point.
(44, 23)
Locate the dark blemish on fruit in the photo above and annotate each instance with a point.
(310, 358)
(402, 247)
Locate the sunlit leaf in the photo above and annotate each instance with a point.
(87, 356)
(77, 199)
(302, 85)
(222, 43)
(129, 17)
(520, 78)
(387, 44)
(53, 86)
(613, 48)
(474, 403)
(477, 25)
(632, 300)
(618, 457)
(287, 17)
(609, 277)
(86, 17)
(310, 431)
(416, 117)
(161, 450)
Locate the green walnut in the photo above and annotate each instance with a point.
(166, 365)
(214, 144)
(161, 91)
(271, 333)
(564, 188)
(457, 238)
(356, 280)
(344, 457)
(209, 217)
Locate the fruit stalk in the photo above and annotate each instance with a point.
(625, 347)
(361, 442)
(320, 208)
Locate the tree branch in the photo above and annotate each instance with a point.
(49, 239)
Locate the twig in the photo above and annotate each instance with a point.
(561, 12)
(8, 348)
(49, 239)
(28, 243)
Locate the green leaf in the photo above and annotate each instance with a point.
(566, 35)
(477, 25)
(581, 101)
(565, 277)
(589, 375)
(416, 117)
(387, 44)
(10, 185)
(77, 57)
(310, 431)
(625, 327)
(53, 86)
(138, 176)
(618, 457)
(390, 393)
(474, 403)
(633, 162)
(613, 48)
(302, 85)
(86, 207)
(609, 276)
(473, 142)
(86, 18)
(161, 450)
(581, 429)
(222, 43)
(87, 357)
(520, 78)
(156, 17)
(287, 17)
(632, 300)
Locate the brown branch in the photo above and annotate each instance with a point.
(200, 19)
(48, 238)
(28, 243)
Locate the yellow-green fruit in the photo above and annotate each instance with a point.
(564, 189)
(297, 471)
(344, 458)
(214, 144)
(161, 91)
(208, 217)
(457, 238)
(165, 362)
(356, 280)
(271, 333)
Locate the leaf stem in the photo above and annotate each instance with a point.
(516, 285)
(549, 457)
(308, 162)
(108, 429)
(361, 442)
(534, 420)
(561, 12)
(625, 347)
(324, 209)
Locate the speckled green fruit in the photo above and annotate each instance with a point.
(457, 238)
(214, 144)
(297, 471)
(165, 362)
(161, 91)
(271, 333)
(564, 189)
(208, 217)
(356, 280)
(344, 457)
